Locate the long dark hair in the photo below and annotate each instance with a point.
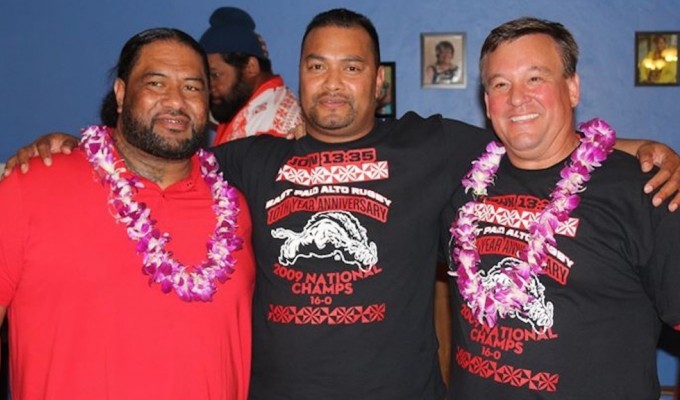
(129, 55)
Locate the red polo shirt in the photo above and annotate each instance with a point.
(84, 321)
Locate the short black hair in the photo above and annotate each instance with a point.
(520, 27)
(344, 18)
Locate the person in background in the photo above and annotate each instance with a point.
(563, 271)
(443, 71)
(246, 97)
(346, 228)
(110, 292)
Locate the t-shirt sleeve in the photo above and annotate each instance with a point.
(244, 162)
(12, 236)
(661, 273)
(231, 156)
(465, 143)
(470, 140)
(444, 250)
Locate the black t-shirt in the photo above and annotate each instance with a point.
(346, 238)
(612, 278)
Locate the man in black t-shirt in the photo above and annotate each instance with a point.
(344, 225)
(345, 230)
(563, 270)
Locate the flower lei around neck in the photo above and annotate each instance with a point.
(197, 282)
(488, 303)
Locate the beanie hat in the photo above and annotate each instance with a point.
(232, 30)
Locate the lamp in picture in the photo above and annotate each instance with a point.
(658, 58)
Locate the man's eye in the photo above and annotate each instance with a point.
(355, 68)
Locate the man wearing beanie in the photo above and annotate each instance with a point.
(246, 98)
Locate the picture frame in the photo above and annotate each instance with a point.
(443, 60)
(656, 58)
(387, 101)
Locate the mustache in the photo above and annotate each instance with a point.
(173, 113)
(331, 95)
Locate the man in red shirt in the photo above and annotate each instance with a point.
(246, 97)
(138, 199)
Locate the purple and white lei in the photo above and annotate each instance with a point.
(190, 283)
(488, 304)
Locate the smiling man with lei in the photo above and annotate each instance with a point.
(127, 270)
(562, 270)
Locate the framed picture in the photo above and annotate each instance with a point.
(443, 60)
(387, 101)
(656, 58)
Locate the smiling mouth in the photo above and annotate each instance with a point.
(173, 124)
(522, 118)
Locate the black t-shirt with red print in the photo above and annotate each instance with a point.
(608, 284)
(346, 239)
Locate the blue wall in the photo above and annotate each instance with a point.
(55, 55)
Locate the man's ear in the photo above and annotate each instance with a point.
(574, 84)
(252, 68)
(380, 79)
(119, 90)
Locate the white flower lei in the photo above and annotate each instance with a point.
(490, 304)
(158, 263)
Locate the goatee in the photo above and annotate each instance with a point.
(145, 139)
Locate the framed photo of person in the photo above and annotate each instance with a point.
(443, 60)
(387, 101)
(656, 58)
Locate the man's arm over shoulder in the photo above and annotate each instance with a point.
(663, 269)
(652, 244)
(468, 131)
(242, 159)
(666, 179)
(466, 142)
(231, 156)
(44, 147)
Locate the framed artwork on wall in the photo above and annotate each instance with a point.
(387, 100)
(443, 60)
(656, 58)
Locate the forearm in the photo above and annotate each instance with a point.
(630, 146)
